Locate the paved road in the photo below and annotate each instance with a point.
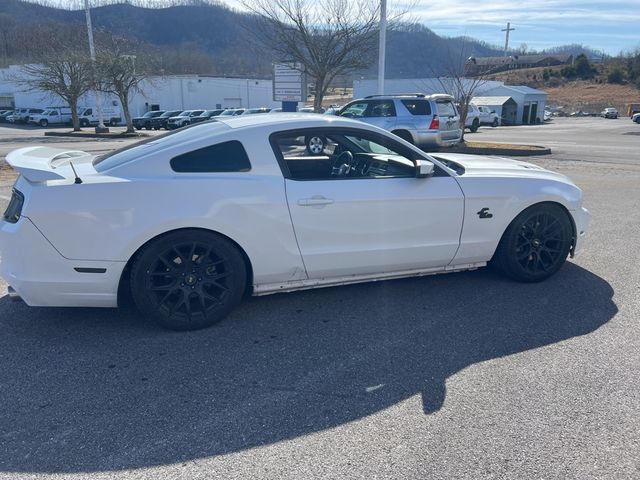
(587, 139)
(455, 376)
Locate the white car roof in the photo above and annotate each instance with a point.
(290, 121)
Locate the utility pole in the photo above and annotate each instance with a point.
(382, 46)
(92, 51)
(506, 43)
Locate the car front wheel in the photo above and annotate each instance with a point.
(188, 279)
(495, 122)
(536, 243)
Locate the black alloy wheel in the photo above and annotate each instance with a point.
(536, 243)
(187, 280)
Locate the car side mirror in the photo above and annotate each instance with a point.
(424, 169)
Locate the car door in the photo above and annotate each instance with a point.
(381, 113)
(361, 224)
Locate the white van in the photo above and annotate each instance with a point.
(89, 116)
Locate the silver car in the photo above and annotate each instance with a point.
(429, 121)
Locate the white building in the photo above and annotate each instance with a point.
(171, 92)
(516, 105)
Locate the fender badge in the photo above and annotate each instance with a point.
(484, 213)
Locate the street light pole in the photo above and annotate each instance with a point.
(382, 46)
(92, 51)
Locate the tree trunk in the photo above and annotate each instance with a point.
(124, 101)
(73, 104)
(317, 99)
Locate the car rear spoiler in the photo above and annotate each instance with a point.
(39, 164)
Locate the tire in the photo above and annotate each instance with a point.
(188, 279)
(495, 123)
(536, 243)
(475, 125)
(84, 122)
(404, 135)
(44, 122)
(315, 144)
(113, 122)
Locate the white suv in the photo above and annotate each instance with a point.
(425, 120)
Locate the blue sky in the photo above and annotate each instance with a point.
(610, 26)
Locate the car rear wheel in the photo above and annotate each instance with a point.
(536, 243)
(495, 122)
(475, 125)
(406, 136)
(188, 280)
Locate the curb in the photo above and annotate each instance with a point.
(95, 135)
(512, 152)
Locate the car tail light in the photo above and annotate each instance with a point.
(14, 210)
(435, 123)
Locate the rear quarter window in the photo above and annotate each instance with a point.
(223, 157)
(446, 109)
(417, 107)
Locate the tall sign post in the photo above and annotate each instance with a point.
(289, 85)
(382, 48)
(92, 51)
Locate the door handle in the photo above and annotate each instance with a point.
(316, 200)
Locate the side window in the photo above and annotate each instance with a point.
(381, 108)
(355, 110)
(88, 111)
(346, 154)
(223, 157)
(417, 107)
(446, 109)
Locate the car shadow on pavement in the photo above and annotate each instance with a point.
(86, 390)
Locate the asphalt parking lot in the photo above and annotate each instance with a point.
(461, 376)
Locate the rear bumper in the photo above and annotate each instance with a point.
(434, 138)
(42, 277)
(582, 219)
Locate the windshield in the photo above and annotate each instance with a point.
(228, 112)
(169, 114)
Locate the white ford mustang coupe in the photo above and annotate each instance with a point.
(188, 222)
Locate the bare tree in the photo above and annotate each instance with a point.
(461, 88)
(327, 37)
(63, 72)
(121, 67)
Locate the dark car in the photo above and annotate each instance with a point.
(145, 120)
(206, 115)
(183, 119)
(161, 121)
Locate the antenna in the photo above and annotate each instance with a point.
(78, 180)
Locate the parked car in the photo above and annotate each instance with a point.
(51, 116)
(183, 119)
(202, 219)
(635, 117)
(609, 113)
(488, 117)
(21, 115)
(4, 114)
(472, 122)
(206, 115)
(145, 120)
(254, 111)
(232, 112)
(430, 121)
(161, 121)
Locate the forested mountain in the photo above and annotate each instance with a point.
(196, 36)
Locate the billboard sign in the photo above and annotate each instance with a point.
(289, 82)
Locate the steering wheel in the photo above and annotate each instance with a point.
(343, 164)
